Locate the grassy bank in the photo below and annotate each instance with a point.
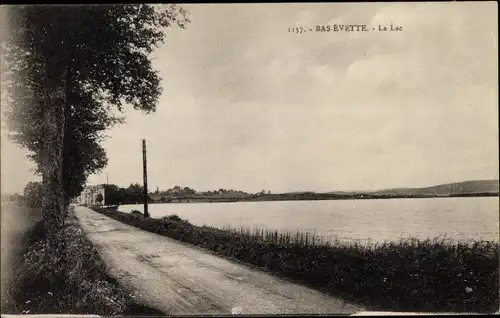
(411, 275)
(66, 279)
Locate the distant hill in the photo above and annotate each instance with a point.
(466, 187)
(477, 188)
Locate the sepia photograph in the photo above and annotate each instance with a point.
(250, 159)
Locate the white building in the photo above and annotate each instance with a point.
(90, 194)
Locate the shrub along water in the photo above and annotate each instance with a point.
(409, 275)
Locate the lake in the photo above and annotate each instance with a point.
(376, 220)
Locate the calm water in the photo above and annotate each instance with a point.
(377, 220)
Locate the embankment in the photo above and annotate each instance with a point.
(67, 279)
(15, 223)
(434, 275)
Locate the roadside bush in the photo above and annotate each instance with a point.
(173, 218)
(137, 213)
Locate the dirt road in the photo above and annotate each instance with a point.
(179, 279)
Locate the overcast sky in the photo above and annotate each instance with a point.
(248, 105)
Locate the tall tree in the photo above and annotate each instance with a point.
(83, 155)
(112, 194)
(57, 59)
(33, 193)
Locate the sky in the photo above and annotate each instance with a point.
(248, 105)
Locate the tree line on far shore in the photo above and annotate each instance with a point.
(133, 194)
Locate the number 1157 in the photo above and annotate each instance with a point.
(296, 30)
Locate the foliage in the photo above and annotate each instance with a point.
(60, 87)
(137, 213)
(85, 123)
(112, 195)
(410, 275)
(33, 194)
(187, 192)
(133, 194)
(106, 48)
(99, 198)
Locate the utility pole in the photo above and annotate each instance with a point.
(107, 179)
(145, 178)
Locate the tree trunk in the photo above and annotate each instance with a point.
(64, 181)
(54, 100)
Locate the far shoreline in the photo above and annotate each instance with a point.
(309, 197)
